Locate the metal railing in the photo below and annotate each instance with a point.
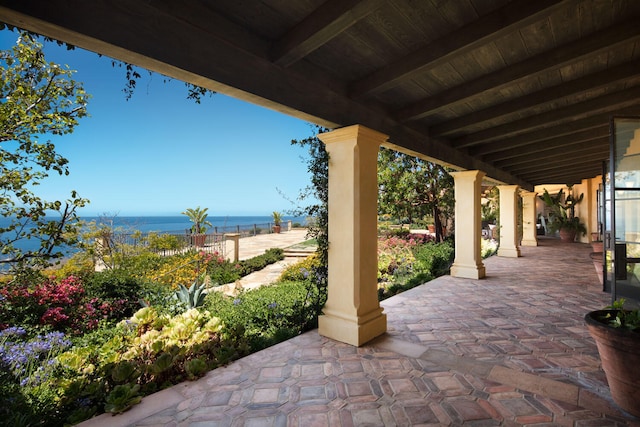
(167, 243)
(247, 230)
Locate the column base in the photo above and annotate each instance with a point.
(529, 243)
(468, 271)
(509, 252)
(350, 332)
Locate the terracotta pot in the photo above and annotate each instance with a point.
(620, 355)
(597, 246)
(276, 229)
(567, 235)
(431, 228)
(198, 239)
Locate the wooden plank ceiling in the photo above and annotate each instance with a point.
(521, 89)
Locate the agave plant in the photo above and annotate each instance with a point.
(193, 296)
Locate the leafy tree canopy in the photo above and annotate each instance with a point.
(411, 188)
(36, 98)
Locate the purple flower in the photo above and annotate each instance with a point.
(13, 330)
(273, 305)
(237, 301)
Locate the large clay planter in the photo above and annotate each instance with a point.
(198, 239)
(620, 355)
(567, 235)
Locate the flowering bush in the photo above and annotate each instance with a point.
(395, 255)
(407, 260)
(184, 268)
(300, 270)
(62, 305)
(30, 362)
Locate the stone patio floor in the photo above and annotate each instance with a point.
(510, 349)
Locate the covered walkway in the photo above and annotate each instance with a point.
(509, 349)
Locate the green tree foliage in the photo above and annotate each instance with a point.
(36, 98)
(318, 190)
(411, 188)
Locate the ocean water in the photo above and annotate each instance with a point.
(180, 223)
(177, 224)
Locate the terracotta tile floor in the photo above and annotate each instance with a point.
(510, 349)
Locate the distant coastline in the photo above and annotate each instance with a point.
(172, 224)
(180, 223)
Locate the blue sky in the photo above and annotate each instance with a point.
(160, 153)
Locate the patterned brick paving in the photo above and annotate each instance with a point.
(508, 350)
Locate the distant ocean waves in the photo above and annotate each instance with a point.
(170, 224)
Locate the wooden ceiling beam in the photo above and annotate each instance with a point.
(553, 151)
(327, 22)
(580, 156)
(486, 29)
(566, 175)
(551, 134)
(579, 86)
(587, 46)
(606, 103)
(532, 149)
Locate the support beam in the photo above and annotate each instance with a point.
(352, 313)
(330, 20)
(555, 59)
(468, 257)
(508, 221)
(487, 29)
(529, 219)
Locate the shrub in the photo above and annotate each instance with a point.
(182, 268)
(267, 315)
(119, 288)
(300, 271)
(259, 262)
(434, 258)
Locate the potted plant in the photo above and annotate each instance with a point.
(562, 217)
(616, 332)
(277, 221)
(199, 228)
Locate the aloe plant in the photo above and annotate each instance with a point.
(193, 296)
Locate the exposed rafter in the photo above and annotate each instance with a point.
(328, 21)
(531, 67)
(488, 28)
(584, 85)
(585, 109)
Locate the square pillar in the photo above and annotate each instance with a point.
(508, 221)
(529, 219)
(352, 313)
(468, 257)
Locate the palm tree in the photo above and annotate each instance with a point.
(199, 218)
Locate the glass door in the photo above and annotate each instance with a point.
(622, 210)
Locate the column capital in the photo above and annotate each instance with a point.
(468, 174)
(356, 132)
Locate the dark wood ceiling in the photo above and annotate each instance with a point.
(523, 89)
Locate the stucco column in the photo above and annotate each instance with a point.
(352, 313)
(468, 258)
(508, 221)
(529, 219)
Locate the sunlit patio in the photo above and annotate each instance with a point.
(509, 349)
